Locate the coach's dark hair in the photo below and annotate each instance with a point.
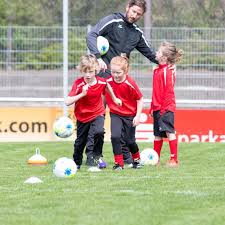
(139, 3)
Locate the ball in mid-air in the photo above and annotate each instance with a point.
(63, 127)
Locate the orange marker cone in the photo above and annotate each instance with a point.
(37, 159)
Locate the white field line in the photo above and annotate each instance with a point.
(156, 177)
(188, 192)
(147, 191)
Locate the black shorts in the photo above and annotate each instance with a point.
(163, 124)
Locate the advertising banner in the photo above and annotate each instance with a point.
(191, 126)
(27, 124)
(36, 124)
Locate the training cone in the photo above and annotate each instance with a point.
(33, 180)
(37, 159)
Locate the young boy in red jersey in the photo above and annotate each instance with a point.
(125, 116)
(89, 111)
(163, 103)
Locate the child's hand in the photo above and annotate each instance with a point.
(151, 112)
(85, 89)
(102, 64)
(173, 68)
(118, 101)
(136, 121)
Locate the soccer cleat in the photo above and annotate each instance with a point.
(128, 161)
(90, 162)
(127, 156)
(172, 163)
(136, 164)
(117, 167)
(78, 167)
(101, 164)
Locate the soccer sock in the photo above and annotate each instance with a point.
(119, 160)
(158, 146)
(173, 149)
(136, 155)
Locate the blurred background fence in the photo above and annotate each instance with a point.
(31, 61)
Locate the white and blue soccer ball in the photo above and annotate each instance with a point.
(64, 167)
(149, 157)
(63, 127)
(102, 45)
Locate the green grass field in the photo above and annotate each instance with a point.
(192, 194)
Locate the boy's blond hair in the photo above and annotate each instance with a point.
(88, 62)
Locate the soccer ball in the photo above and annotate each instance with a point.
(64, 167)
(63, 127)
(102, 45)
(149, 157)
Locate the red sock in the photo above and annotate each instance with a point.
(158, 146)
(136, 155)
(119, 160)
(173, 149)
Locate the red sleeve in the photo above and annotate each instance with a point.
(151, 108)
(169, 81)
(136, 91)
(73, 89)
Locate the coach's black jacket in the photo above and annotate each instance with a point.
(123, 37)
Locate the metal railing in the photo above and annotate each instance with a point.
(31, 60)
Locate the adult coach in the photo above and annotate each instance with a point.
(124, 36)
(122, 33)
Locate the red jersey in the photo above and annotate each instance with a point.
(128, 92)
(90, 106)
(163, 97)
